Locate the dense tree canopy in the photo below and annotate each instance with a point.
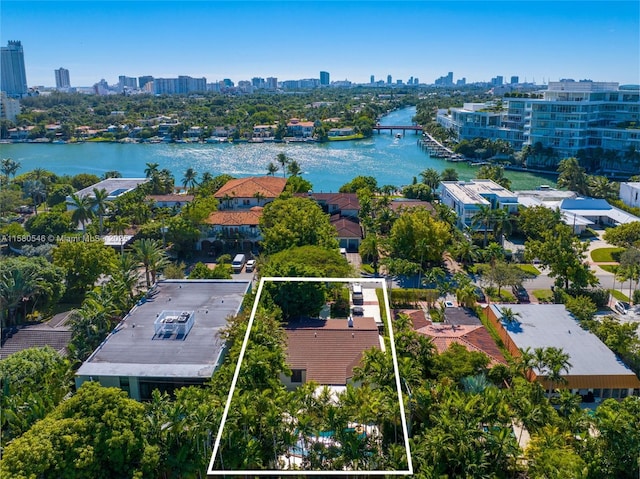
(295, 222)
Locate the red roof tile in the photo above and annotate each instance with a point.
(346, 228)
(235, 217)
(329, 350)
(269, 186)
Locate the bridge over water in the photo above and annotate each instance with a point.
(403, 128)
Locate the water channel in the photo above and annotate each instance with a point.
(391, 160)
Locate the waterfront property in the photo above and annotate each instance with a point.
(240, 208)
(466, 198)
(168, 340)
(595, 371)
(176, 201)
(571, 116)
(115, 187)
(630, 194)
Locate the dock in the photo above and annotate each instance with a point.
(435, 149)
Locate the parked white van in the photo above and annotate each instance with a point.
(238, 263)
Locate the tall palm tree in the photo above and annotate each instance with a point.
(151, 169)
(99, 204)
(82, 211)
(118, 227)
(151, 255)
(9, 167)
(431, 178)
(36, 190)
(272, 168)
(283, 160)
(483, 217)
(293, 168)
(449, 174)
(190, 179)
(503, 224)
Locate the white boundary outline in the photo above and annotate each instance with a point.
(286, 472)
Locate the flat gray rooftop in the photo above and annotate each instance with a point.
(133, 348)
(551, 325)
(114, 186)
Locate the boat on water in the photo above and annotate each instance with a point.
(398, 135)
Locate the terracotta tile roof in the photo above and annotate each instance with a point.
(329, 350)
(235, 217)
(269, 186)
(407, 204)
(346, 228)
(344, 201)
(473, 337)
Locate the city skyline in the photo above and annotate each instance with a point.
(535, 40)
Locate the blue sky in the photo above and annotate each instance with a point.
(536, 40)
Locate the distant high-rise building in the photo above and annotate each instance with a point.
(446, 80)
(389, 79)
(515, 80)
(258, 82)
(13, 79)
(373, 79)
(416, 81)
(143, 80)
(324, 79)
(272, 83)
(9, 107)
(129, 83)
(497, 81)
(62, 78)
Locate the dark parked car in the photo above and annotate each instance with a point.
(480, 297)
(521, 294)
(357, 310)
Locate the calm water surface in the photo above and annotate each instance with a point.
(328, 166)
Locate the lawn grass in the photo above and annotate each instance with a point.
(606, 255)
(529, 269)
(620, 296)
(611, 268)
(543, 295)
(383, 309)
(493, 333)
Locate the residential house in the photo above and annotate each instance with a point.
(461, 326)
(115, 188)
(173, 338)
(240, 208)
(176, 201)
(327, 351)
(300, 129)
(466, 198)
(338, 132)
(630, 193)
(594, 371)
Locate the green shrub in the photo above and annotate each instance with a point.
(636, 296)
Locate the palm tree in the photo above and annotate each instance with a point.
(431, 178)
(36, 190)
(272, 168)
(9, 167)
(465, 252)
(483, 217)
(119, 227)
(82, 211)
(369, 250)
(151, 169)
(190, 179)
(449, 174)
(509, 316)
(503, 224)
(283, 160)
(601, 187)
(150, 255)
(572, 176)
(99, 204)
(293, 168)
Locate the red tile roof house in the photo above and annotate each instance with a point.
(463, 328)
(344, 209)
(327, 351)
(170, 201)
(240, 208)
